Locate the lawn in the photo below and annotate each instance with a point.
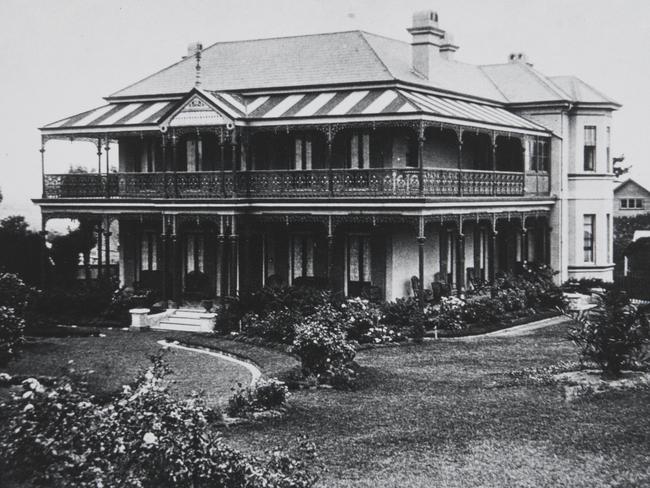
(433, 415)
(438, 414)
(120, 356)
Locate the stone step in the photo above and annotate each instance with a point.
(166, 325)
(184, 320)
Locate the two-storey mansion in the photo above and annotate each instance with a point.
(347, 159)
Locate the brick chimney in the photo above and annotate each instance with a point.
(448, 47)
(427, 41)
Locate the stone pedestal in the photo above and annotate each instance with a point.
(139, 319)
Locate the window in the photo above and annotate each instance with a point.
(359, 258)
(540, 155)
(588, 233)
(302, 256)
(194, 252)
(632, 203)
(194, 155)
(359, 150)
(302, 154)
(148, 252)
(590, 148)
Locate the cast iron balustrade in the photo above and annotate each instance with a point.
(373, 182)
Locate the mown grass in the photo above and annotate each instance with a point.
(434, 415)
(120, 356)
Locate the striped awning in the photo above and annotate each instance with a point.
(291, 108)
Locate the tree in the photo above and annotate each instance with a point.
(66, 249)
(624, 228)
(22, 249)
(617, 169)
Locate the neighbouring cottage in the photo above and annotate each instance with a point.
(345, 159)
(631, 199)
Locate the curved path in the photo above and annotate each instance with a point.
(252, 369)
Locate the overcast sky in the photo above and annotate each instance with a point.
(58, 58)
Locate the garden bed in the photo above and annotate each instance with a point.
(506, 324)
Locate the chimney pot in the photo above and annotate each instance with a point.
(448, 47)
(519, 58)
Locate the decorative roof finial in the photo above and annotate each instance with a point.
(197, 82)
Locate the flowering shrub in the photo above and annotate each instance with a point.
(359, 316)
(381, 334)
(264, 395)
(323, 348)
(276, 326)
(451, 314)
(15, 293)
(11, 333)
(613, 334)
(62, 436)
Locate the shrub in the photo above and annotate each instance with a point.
(62, 436)
(276, 326)
(612, 334)
(12, 328)
(359, 316)
(402, 313)
(78, 301)
(15, 293)
(323, 348)
(450, 314)
(264, 395)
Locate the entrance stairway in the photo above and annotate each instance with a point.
(186, 319)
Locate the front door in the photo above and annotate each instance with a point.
(359, 277)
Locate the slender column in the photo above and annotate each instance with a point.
(107, 248)
(174, 167)
(494, 163)
(330, 252)
(222, 162)
(100, 271)
(460, 162)
(42, 151)
(99, 156)
(330, 174)
(524, 241)
(108, 186)
(163, 145)
(233, 158)
(547, 243)
(460, 253)
(44, 253)
(175, 264)
(222, 271)
(421, 140)
(234, 258)
(163, 259)
(421, 239)
(492, 252)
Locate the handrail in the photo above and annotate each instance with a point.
(288, 183)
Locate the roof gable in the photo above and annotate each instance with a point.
(628, 184)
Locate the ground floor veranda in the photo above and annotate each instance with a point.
(189, 257)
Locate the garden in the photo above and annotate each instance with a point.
(354, 392)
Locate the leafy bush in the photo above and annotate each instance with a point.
(264, 395)
(402, 313)
(322, 346)
(12, 328)
(612, 334)
(62, 436)
(359, 316)
(450, 314)
(584, 285)
(276, 325)
(15, 293)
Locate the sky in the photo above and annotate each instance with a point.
(58, 58)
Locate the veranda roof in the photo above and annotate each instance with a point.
(291, 109)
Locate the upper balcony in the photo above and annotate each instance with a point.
(291, 184)
(373, 144)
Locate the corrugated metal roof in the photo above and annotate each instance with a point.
(362, 104)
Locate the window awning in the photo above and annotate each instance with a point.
(292, 109)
